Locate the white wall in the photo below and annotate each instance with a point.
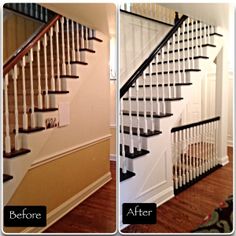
(138, 38)
(202, 106)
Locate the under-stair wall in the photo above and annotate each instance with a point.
(73, 157)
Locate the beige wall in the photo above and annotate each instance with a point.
(55, 182)
(16, 30)
(113, 98)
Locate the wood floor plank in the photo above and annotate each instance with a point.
(186, 211)
(97, 214)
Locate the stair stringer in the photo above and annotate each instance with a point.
(153, 180)
(36, 141)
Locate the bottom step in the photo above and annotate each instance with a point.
(192, 182)
(126, 176)
(7, 177)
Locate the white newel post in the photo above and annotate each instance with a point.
(221, 104)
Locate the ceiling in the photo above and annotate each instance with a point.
(211, 13)
(99, 16)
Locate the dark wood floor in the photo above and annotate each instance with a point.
(97, 214)
(187, 210)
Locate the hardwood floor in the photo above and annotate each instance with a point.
(97, 214)
(186, 211)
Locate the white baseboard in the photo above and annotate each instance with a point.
(71, 203)
(223, 160)
(230, 143)
(112, 157)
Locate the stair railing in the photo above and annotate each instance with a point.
(194, 151)
(157, 80)
(32, 75)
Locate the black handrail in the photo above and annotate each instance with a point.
(187, 126)
(148, 60)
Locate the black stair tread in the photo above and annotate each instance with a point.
(148, 114)
(86, 50)
(78, 62)
(141, 131)
(7, 177)
(68, 76)
(126, 176)
(154, 99)
(176, 71)
(135, 154)
(15, 153)
(160, 85)
(181, 59)
(57, 92)
(95, 38)
(45, 109)
(190, 48)
(217, 34)
(209, 45)
(31, 130)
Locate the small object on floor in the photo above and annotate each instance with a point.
(220, 220)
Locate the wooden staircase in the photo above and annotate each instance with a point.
(35, 81)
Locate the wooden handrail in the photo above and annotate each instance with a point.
(16, 58)
(187, 126)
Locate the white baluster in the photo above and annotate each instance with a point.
(82, 37)
(130, 123)
(196, 44)
(68, 47)
(85, 37)
(63, 47)
(188, 44)
(180, 159)
(7, 137)
(179, 55)
(58, 57)
(157, 87)
(46, 71)
(200, 150)
(32, 115)
(138, 119)
(188, 164)
(174, 66)
(168, 71)
(40, 99)
(194, 153)
(183, 54)
(200, 39)
(77, 42)
(17, 138)
(176, 159)
(205, 34)
(73, 40)
(124, 166)
(52, 61)
(151, 97)
(190, 154)
(145, 102)
(183, 157)
(163, 80)
(25, 116)
(192, 46)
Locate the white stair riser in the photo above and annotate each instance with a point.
(47, 118)
(184, 54)
(172, 78)
(187, 64)
(136, 141)
(197, 41)
(155, 91)
(157, 106)
(158, 122)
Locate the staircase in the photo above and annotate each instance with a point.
(152, 101)
(38, 81)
